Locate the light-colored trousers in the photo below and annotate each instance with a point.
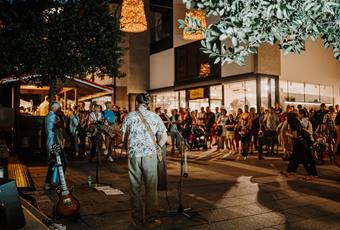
(143, 169)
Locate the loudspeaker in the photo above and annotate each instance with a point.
(11, 215)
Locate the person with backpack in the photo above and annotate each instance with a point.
(301, 148)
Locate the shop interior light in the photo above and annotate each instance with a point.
(132, 18)
(188, 34)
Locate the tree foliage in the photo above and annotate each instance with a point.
(71, 38)
(244, 24)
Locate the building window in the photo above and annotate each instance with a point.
(161, 25)
(283, 91)
(234, 96)
(296, 92)
(326, 94)
(192, 65)
(312, 93)
(305, 93)
(250, 91)
(216, 96)
(182, 99)
(166, 100)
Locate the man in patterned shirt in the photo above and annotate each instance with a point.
(143, 160)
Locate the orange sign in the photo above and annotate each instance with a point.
(196, 93)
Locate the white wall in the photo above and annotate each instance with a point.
(316, 65)
(162, 69)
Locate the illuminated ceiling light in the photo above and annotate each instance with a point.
(132, 18)
(197, 34)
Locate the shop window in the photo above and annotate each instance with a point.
(250, 91)
(312, 93)
(264, 93)
(326, 94)
(182, 99)
(197, 104)
(283, 92)
(216, 92)
(272, 92)
(296, 92)
(234, 96)
(167, 101)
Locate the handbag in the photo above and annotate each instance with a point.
(153, 137)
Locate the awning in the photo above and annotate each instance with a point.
(84, 87)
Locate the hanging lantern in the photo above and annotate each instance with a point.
(132, 18)
(205, 70)
(200, 16)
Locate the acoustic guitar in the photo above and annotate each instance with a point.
(67, 205)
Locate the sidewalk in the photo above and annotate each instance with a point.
(228, 195)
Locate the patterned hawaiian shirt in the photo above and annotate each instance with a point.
(139, 143)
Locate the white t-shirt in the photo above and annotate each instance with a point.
(44, 108)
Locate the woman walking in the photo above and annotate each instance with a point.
(300, 148)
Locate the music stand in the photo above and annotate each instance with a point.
(186, 212)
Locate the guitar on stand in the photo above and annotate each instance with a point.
(67, 205)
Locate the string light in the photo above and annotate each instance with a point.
(197, 34)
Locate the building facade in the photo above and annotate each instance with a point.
(181, 76)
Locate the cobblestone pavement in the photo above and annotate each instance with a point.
(228, 194)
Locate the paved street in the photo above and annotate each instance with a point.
(234, 194)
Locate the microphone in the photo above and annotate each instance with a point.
(185, 165)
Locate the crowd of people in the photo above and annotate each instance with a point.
(235, 134)
(78, 129)
(247, 131)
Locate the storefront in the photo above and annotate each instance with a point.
(230, 93)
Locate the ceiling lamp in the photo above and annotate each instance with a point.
(199, 15)
(132, 18)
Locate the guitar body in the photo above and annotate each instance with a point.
(67, 205)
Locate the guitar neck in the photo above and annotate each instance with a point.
(62, 176)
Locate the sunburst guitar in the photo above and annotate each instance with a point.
(67, 205)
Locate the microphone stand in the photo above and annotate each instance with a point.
(187, 212)
(97, 183)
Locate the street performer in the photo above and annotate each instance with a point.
(52, 123)
(140, 129)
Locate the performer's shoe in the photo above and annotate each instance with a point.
(152, 223)
(110, 159)
(47, 187)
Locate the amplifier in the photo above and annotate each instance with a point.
(11, 215)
